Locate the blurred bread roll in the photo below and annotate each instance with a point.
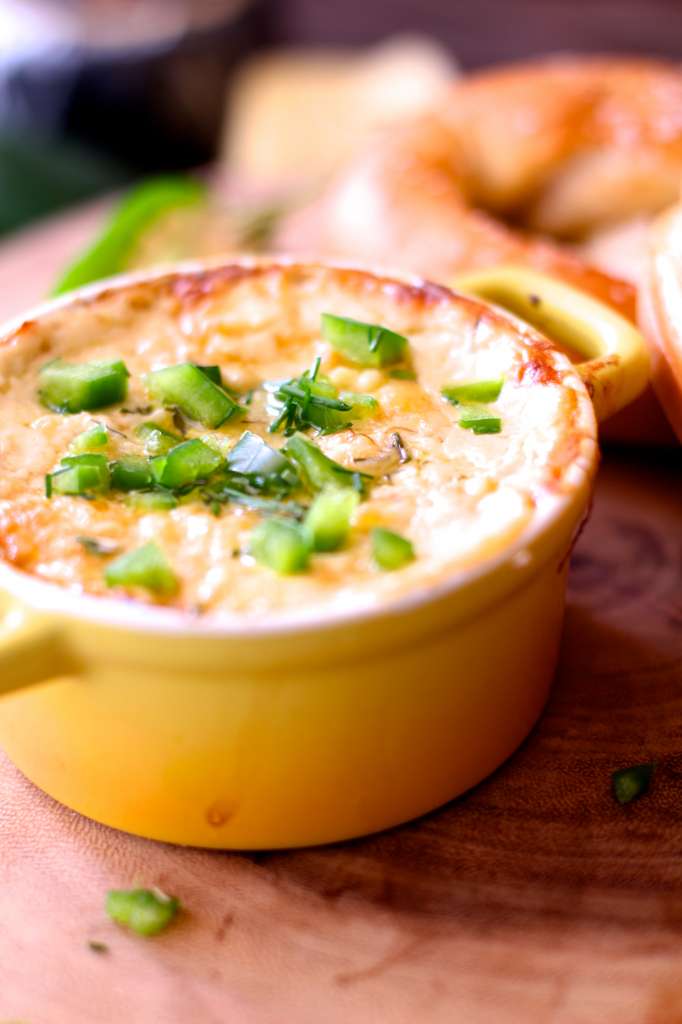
(295, 115)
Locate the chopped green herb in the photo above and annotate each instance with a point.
(307, 401)
(144, 911)
(156, 439)
(144, 567)
(90, 440)
(193, 393)
(630, 783)
(152, 501)
(365, 344)
(474, 391)
(219, 443)
(317, 469)
(281, 545)
(327, 523)
(131, 474)
(480, 420)
(97, 947)
(185, 464)
(389, 550)
(76, 387)
(100, 548)
(82, 476)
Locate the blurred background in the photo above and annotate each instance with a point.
(96, 93)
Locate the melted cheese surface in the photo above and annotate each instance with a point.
(460, 499)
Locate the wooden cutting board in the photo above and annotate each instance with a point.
(535, 899)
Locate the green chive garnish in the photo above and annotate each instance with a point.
(81, 475)
(131, 474)
(280, 544)
(327, 523)
(145, 567)
(90, 440)
(317, 469)
(365, 344)
(76, 387)
(389, 550)
(307, 401)
(630, 783)
(480, 420)
(473, 391)
(185, 464)
(157, 440)
(144, 911)
(152, 501)
(402, 374)
(193, 393)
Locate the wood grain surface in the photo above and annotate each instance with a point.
(534, 899)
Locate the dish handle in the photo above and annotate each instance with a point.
(615, 360)
(31, 649)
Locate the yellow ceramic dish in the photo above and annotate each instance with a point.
(247, 735)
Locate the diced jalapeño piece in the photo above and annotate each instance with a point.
(317, 469)
(185, 464)
(365, 344)
(280, 545)
(76, 387)
(131, 474)
(473, 391)
(390, 551)
(144, 911)
(90, 440)
(327, 523)
(156, 439)
(145, 567)
(480, 420)
(251, 454)
(193, 393)
(152, 501)
(81, 475)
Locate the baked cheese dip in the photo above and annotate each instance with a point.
(269, 438)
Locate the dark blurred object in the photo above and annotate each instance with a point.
(141, 80)
(40, 177)
(486, 31)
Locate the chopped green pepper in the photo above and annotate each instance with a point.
(317, 469)
(474, 391)
(631, 783)
(365, 344)
(152, 501)
(390, 551)
(280, 544)
(156, 439)
(144, 567)
(131, 474)
(76, 387)
(327, 523)
(144, 911)
(94, 438)
(81, 475)
(193, 393)
(185, 464)
(480, 420)
(252, 454)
